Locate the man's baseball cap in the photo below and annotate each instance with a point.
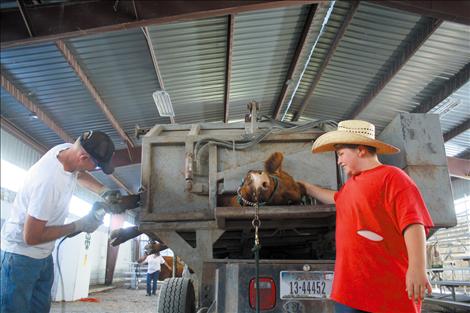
(100, 147)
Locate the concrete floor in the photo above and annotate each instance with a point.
(125, 300)
(117, 300)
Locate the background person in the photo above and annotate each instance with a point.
(154, 261)
(37, 219)
(381, 226)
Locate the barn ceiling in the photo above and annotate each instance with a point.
(69, 66)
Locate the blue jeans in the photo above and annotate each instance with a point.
(26, 283)
(341, 308)
(153, 277)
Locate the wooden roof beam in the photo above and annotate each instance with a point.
(448, 88)
(331, 51)
(21, 135)
(228, 65)
(415, 40)
(454, 132)
(295, 60)
(72, 18)
(42, 116)
(68, 55)
(34, 108)
(448, 10)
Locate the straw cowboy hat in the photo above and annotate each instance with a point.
(352, 132)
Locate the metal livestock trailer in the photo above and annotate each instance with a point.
(187, 170)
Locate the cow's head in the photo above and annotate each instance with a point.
(270, 186)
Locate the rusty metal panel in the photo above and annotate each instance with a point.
(419, 138)
(434, 184)
(422, 156)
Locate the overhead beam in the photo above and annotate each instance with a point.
(458, 167)
(454, 132)
(331, 51)
(464, 154)
(42, 116)
(228, 65)
(72, 19)
(68, 55)
(452, 11)
(448, 88)
(18, 133)
(415, 39)
(33, 108)
(24, 15)
(295, 60)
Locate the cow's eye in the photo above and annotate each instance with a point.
(265, 185)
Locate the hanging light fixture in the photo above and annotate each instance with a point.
(163, 102)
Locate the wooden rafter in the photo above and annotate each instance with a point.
(62, 46)
(415, 40)
(228, 65)
(21, 135)
(295, 60)
(448, 88)
(334, 45)
(42, 116)
(454, 132)
(78, 18)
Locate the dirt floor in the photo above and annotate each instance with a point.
(117, 300)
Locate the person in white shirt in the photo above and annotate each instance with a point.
(37, 219)
(154, 261)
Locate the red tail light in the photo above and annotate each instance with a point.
(267, 293)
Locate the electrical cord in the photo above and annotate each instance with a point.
(277, 127)
(60, 275)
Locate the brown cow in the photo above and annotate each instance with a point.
(272, 186)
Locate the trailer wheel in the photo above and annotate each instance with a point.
(177, 296)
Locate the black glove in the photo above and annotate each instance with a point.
(111, 196)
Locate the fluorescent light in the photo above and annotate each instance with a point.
(163, 102)
(445, 106)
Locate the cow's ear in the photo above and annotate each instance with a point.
(273, 164)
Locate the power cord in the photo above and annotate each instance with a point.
(60, 275)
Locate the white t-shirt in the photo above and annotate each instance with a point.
(45, 194)
(154, 263)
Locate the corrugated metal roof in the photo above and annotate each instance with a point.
(25, 120)
(369, 42)
(44, 75)
(459, 104)
(437, 60)
(191, 57)
(263, 48)
(120, 67)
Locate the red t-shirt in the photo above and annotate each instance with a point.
(370, 275)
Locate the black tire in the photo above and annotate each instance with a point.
(177, 296)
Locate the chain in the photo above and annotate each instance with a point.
(256, 223)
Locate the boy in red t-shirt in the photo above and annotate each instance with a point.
(381, 226)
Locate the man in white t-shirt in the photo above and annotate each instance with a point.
(154, 261)
(37, 219)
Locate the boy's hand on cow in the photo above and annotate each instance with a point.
(417, 283)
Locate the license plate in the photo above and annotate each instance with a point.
(306, 285)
